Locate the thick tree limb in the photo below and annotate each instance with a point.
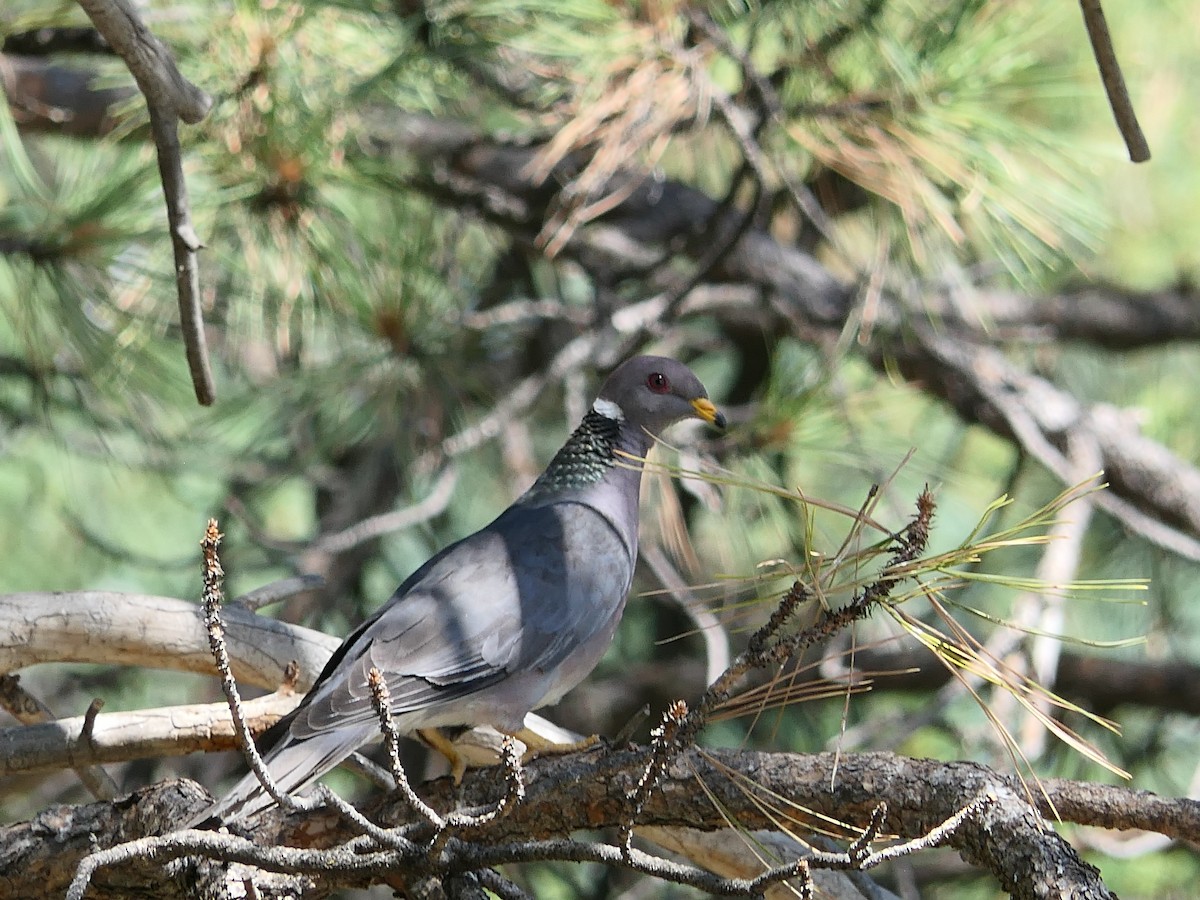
(1106, 316)
(153, 632)
(602, 799)
(142, 734)
(1125, 809)
(157, 632)
(591, 791)
(594, 791)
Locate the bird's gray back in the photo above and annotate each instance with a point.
(502, 622)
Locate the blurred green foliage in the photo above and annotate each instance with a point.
(337, 290)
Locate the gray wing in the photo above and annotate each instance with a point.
(518, 598)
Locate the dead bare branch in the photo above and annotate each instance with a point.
(155, 632)
(276, 591)
(140, 734)
(1154, 493)
(1114, 81)
(169, 98)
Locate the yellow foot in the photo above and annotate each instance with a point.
(541, 746)
(443, 745)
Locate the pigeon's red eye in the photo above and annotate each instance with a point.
(658, 382)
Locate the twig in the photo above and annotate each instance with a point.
(185, 243)
(444, 827)
(391, 838)
(772, 110)
(514, 780)
(381, 700)
(1038, 415)
(500, 886)
(642, 862)
(362, 765)
(860, 848)
(169, 98)
(234, 849)
(279, 590)
(727, 237)
(214, 574)
(519, 311)
(434, 503)
(98, 782)
(89, 719)
(1114, 81)
(859, 859)
(662, 739)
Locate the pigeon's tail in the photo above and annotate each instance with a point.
(293, 764)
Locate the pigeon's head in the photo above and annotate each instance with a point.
(653, 392)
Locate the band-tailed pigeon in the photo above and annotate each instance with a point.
(504, 621)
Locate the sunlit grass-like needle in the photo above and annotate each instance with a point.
(895, 572)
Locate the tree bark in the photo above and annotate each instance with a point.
(591, 791)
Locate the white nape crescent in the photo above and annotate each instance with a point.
(608, 409)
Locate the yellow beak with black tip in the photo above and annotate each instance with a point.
(708, 412)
